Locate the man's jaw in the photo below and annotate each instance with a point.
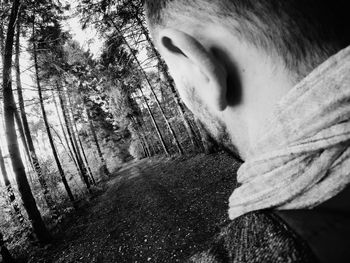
(222, 138)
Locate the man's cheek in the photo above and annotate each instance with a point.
(188, 96)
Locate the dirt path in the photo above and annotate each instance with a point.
(157, 210)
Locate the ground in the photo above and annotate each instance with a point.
(154, 210)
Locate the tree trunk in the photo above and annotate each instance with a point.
(166, 120)
(64, 180)
(170, 82)
(75, 137)
(69, 150)
(10, 196)
(25, 131)
(144, 143)
(11, 137)
(47, 126)
(154, 122)
(94, 136)
(150, 86)
(21, 133)
(142, 130)
(18, 119)
(75, 132)
(71, 138)
(141, 135)
(2, 33)
(3, 169)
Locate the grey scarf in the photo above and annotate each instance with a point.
(303, 154)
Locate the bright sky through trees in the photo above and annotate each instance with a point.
(88, 38)
(86, 101)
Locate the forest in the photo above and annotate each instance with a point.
(71, 118)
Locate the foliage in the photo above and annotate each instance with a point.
(124, 97)
(136, 149)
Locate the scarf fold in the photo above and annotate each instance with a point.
(303, 156)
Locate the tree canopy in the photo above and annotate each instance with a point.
(72, 117)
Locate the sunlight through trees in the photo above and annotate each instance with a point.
(80, 116)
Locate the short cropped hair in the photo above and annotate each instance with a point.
(302, 32)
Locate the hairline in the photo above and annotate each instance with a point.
(247, 27)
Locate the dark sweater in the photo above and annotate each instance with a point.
(257, 237)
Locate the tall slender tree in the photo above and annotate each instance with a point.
(63, 129)
(2, 27)
(25, 131)
(138, 16)
(20, 130)
(142, 71)
(97, 144)
(71, 138)
(99, 13)
(11, 198)
(76, 134)
(118, 65)
(165, 148)
(44, 114)
(11, 137)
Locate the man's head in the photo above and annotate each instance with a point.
(233, 60)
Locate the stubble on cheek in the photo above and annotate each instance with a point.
(213, 125)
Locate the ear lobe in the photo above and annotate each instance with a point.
(179, 48)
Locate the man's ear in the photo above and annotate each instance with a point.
(188, 58)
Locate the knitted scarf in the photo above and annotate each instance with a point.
(303, 156)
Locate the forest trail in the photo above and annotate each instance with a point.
(153, 210)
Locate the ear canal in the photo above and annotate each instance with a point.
(180, 43)
(168, 43)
